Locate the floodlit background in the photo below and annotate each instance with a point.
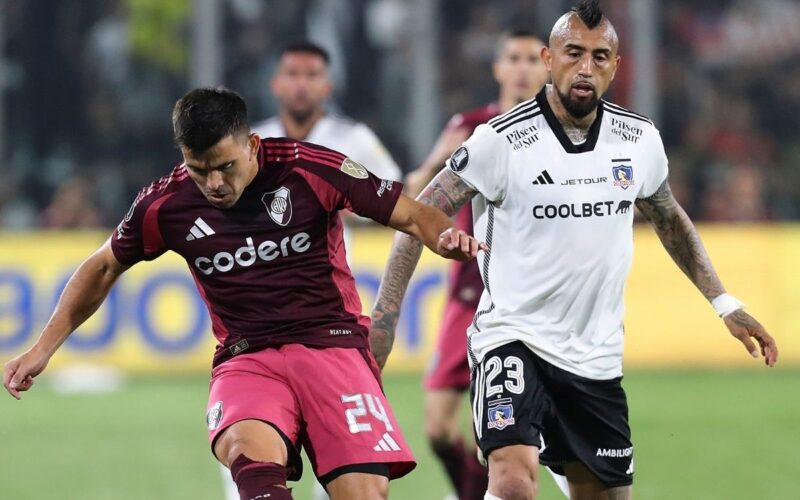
(86, 91)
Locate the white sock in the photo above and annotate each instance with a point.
(489, 496)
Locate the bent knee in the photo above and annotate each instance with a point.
(254, 439)
(514, 473)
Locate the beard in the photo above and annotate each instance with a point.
(576, 108)
(302, 115)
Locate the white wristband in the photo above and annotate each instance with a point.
(726, 304)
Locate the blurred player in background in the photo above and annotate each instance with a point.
(256, 221)
(302, 86)
(520, 74)
(553, 182)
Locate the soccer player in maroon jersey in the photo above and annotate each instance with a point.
(520, 73)
(256, 221)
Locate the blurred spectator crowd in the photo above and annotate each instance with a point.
(88, 87)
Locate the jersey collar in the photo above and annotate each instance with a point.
(558, 129)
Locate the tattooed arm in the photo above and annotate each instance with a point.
(448, 193)
(679, 237)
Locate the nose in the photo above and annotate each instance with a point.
(214, 180)
(586, 65)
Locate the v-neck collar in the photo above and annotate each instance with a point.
(558, 129)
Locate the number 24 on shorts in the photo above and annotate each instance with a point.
(359, 410)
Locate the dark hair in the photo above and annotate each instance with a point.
(306, 47)
(512, 34)
(205, 116)
(589, 12)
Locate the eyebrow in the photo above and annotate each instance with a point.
(216, 167)
(570, 46)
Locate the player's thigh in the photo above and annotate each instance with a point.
(252, 409)
(584, 485)
(590, 426)
(513, 470)
(508, 398)
(449, 367)
(442, 408)
(254, 439)
(359, 486)
(348, 422)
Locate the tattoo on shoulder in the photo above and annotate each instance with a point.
(447, 192)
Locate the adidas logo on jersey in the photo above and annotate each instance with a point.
(199, 230)
(544, 178)
(387, 443)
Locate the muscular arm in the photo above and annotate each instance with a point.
(83, 295)
(680, 239)
(448, 193)
(448, 141)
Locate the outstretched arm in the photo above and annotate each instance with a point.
(448, 193)
(85, 291)
(448, 141)
(679, 237)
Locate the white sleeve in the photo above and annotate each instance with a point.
(482, 162)
(657, 164)
(368, 150)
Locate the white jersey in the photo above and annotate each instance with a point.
(346, 136)
(558, 220)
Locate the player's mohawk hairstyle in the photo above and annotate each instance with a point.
(589, 12)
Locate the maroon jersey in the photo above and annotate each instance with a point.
(272, 268)
(465, 279)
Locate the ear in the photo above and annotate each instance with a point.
(254, 142)
(617, 62)
(274, 86)
(496, 71)
(547, 58)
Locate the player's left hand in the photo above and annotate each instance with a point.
(458, 245)
(743, 327)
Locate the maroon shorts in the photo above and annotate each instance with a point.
(330, 401)
(449, 368)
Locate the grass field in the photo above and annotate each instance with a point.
(698, 436)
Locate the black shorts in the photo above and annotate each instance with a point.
(518, 398)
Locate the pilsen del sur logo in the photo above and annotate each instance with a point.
(279, 205)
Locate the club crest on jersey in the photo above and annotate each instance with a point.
(500, 416)
(623, 176)
(279, 205)
(459, 159)
(354, 169)
(214, 416)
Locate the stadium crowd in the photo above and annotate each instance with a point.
(85, 85)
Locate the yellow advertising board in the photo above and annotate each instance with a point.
(154, 320)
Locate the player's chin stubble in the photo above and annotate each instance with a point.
(578, 109)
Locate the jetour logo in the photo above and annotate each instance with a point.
(247, 255)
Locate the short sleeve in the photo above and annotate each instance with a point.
(482, 162)
(370, 152)
(138, 236)
(348, 185)
(657, 165)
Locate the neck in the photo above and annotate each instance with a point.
(506, 102)
(298, 130)
(576, 128)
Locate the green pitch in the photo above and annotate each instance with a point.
(698, 435)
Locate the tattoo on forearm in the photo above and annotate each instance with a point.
(680, 238)
(446, 192)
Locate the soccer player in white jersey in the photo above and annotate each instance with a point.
(302, 86)
(552, 184)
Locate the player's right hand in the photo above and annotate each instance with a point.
(458, 245)
(18, 373)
